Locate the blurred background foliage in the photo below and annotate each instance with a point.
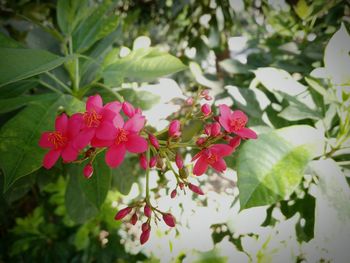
(271, 58)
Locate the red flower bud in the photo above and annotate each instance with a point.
(207, 129)
(123, 213)
(206, 109)
(173, 194)
(88, 171)
(145, 236)
(195, 189)
(215, 129)
(169, 219)
(178, 160)
(145, 226)
(128, 109)
(208, 97)
(200, 141)
(143, 161)
(147, 210)
(204, 92)
(133, 219)
(153, 140)
(189, 101)
(235, 142)
(181, 185)
(153, 161)
(174, 128)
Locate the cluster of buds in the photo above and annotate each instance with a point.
(117, 128)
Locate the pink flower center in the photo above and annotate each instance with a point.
(57, 139)
(237, 124)
(210, 156)
(92, 118)
(122, 136)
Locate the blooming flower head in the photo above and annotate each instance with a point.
(60, 141)
(235, 122)
(120, 137)
(96, 114)
(211, 156)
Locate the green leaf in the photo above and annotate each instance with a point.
(142, 64)
(79, 207)
(96, 188)
(19, 151)
(18, 88)
(6, 41)
(17, 64)
(125, 175)
(235, 67)
(302, 9)
(270, 168)
(11, 104)
(69, 13)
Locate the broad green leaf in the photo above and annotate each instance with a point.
(79, 207)
(142, 64)
(11, 104)
(69, 13)
(270, 168)
(125, 175)
(19, 151)
(337, 57)
(8, 42)
(17, 64)
(96, 188)
(17, 88)
(235, 67)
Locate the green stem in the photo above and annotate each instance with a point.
(53, 77)
(76, 66)
(171, 168)
(50, 87)
(147, 177)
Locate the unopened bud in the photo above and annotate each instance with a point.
(189, 101)
(200, 141)
(147, 210)
(178, 160)
(133, 219)
(208, 97)
(195, 189)
(88, 170)
(145, 236)
(145, 226)
(122, 213)
(143, 161)
(204, 92)
(128, 109)
(215, 129)
(181, 185)
(173, 194)
(169, 219)
(174, 129)
(153, 140)
(206, 109)
(153, 161)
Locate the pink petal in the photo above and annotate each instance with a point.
(96, 142)
(235, 142)
(51, 158)
(69, 154)
(115, 155)
(225, 123)
(225, 111)
(221, 149)
(118, 121)
(219, 165)
(84, 138)
(135, 124)
(200, 167)
(136, 144)
(75, 123)
(114, 106)
(106, 131)
(61, 123)
(94, 103)
(246, 133)
(197, 155)
(44, 140)
(240, 115)
(108, 115)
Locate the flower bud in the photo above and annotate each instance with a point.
(181, 185)
(88, 171)
(128, 109)
(145, 226)
(195, 189)
(145, 236)
(173, 194)
(123, 213)
(189, 101)
(174, 128)
(215, 129)
(200, 141)
(207, 129)
(178, 160)
(204, 92)
(206, 109)
(143, 161)
(133, 219)
(235, 142)
(147, 210)
(169, 219)
(153, 140)
(153, 161)
(207, 97)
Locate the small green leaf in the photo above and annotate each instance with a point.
(270, 168)
(142, 64)
(17, 64)
(20, 153)
(69, 13)
(302, 9)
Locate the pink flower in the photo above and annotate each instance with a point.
(121, 137)
(206, 109)
(169, 219)
(153, 140)
(88, 171)
(123, 213)
(60, 141)
(195, 189)
(96, 114)
(178, 160)
(234, 122)
(174, 128)
(211, 156)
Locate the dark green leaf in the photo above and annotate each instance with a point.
(69, 13)
(18, 88)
